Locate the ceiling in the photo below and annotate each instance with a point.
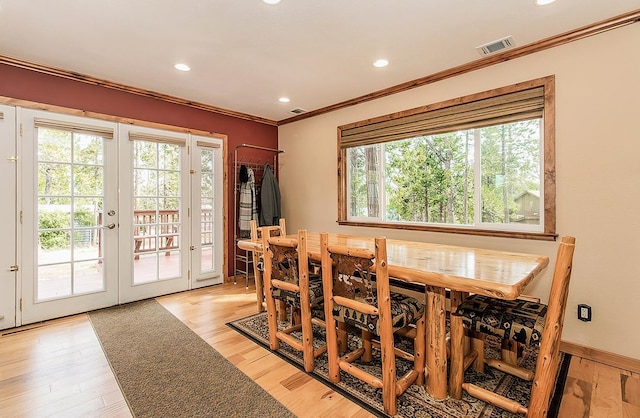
(244, 54)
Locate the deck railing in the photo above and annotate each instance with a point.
(160, 230)
(151, 228)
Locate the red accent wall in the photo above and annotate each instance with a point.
(30, 85)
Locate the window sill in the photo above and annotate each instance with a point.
(542, 236)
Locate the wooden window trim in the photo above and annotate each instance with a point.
(549, 232)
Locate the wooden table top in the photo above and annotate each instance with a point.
(494, 273)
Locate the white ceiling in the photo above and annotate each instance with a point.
(245, 54)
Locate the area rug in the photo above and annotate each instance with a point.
(164, 369)
(415, 402)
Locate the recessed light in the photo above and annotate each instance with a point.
(271, 1)
(544, 2)
(182, 67)
(381, 63)
(284, 100)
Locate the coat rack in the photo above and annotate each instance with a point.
(241, 256)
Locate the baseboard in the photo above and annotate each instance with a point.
(600, 356)
(238, 278)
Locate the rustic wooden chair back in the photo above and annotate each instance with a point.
(347, 281)
(256, 235)
(547, 363)
(274, 230)
(286, 267)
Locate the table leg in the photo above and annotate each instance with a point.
(457, 340)
(436, 342)
(456, 298)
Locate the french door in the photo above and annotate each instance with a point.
(69, 215)
(109, 213)
(8, 265)
(172, 237)
(154, 236)
(207, 210)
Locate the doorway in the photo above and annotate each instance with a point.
(112, 213)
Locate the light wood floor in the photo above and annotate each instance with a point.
(57, 368)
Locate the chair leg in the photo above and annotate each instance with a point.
(388, 372)
(509, 352)
(477, 345)
(296, 315)
(257, 277)
(307, 338)
(282, 310)
(366, 344)
(342, 337)
(546, 371)
(332, 348)
(272, 321)
(419, 348)
(457, 357)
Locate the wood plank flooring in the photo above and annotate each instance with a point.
(57, 368)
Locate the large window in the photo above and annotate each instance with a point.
(475, 165)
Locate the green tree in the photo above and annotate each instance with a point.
(70, 185)
(432, 178)
(510, 166)
(428, 179)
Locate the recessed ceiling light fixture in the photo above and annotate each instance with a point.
(182, 67)
(544, 2)
(284, 100)
(271, 1)
(381, 63)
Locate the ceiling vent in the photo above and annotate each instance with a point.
(496, 46)
(297, 111)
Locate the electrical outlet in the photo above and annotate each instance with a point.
(584, 312)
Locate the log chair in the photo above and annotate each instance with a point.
(521, 322)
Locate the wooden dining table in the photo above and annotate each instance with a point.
(499, 274)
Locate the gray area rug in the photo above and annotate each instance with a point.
(415, 402)
(166, 370)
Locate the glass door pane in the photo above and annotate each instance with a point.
(207, 227)
(156, 227)
(70, 202)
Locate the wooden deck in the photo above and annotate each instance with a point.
(88, 278)
(150, 228)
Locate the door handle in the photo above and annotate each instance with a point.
(110, 226)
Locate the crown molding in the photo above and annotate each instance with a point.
(14, 62)
(574, 35)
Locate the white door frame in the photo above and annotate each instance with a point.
(8, 190)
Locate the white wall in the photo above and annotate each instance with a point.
(597, 164)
